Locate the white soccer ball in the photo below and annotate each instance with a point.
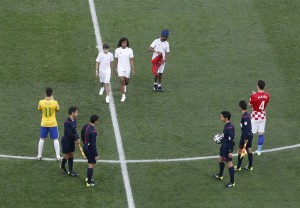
(218, 138)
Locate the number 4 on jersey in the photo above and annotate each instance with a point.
(262, 106)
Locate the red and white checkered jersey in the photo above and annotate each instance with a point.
(259, 102)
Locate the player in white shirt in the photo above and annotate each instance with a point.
(124, 63)
(157, 47)
(104, 65)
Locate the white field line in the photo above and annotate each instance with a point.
(152, 160)
(113, 114)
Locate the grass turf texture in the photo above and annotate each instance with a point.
(219, 49)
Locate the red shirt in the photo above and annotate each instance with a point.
(259, 102)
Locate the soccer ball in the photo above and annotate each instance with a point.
(218, 138)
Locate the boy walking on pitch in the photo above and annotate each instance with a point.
(104, 65)
(160, 49)
(125, 64)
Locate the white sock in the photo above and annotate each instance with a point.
(159, 85)
(57, 148)
(41, 147)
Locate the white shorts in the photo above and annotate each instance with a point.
(124, 73)
(161, 69)
(258, 125)
(104, 77)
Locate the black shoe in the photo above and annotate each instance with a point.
(73, 174)
(92, 180)
(155, 87)
(91, 184)
(248, 168)
(216, 176)
(237, 169)
(160, 89)
(63, 170)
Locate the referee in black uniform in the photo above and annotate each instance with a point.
(88, 136)
(246, 138)
(226, 149)
(68, 141)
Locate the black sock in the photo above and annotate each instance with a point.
(231, 172)
(240, 160)
(221, 165)
(70, 162)
(63, 163)
(89, 174)
(250, 158)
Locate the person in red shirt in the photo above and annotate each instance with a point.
(259, 101)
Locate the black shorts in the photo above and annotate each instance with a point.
(224, 152)
(249, 144)
(89, 156)
(67, 145)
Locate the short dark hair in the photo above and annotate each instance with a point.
(243, 105)
(49, 91)
(261, 84)
(122, 40)
(72, 110)
(226, 114)
(94, 118)
(105, 46)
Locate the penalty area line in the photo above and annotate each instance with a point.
(151, 160)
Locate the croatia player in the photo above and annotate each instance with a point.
(160, 49)
(259, 101)
(48, 107)
(125, 64)
(104, 65)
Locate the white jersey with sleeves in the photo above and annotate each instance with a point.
(123, 56)
(161, 46)
(105, 60)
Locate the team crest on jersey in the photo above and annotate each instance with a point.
(245, 123)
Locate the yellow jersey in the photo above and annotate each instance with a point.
(48, 108)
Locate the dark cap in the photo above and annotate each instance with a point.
(164, 33)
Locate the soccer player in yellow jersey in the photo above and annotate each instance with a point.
(48, 107)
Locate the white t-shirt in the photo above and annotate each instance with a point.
(123, 56)
(161, 46)
(105, 60)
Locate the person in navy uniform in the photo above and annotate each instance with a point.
(88, 136)
(226, 149)
(246, 138)
(68, 141)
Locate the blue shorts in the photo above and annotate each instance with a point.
(52, 130)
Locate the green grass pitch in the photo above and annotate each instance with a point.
(219, 49)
